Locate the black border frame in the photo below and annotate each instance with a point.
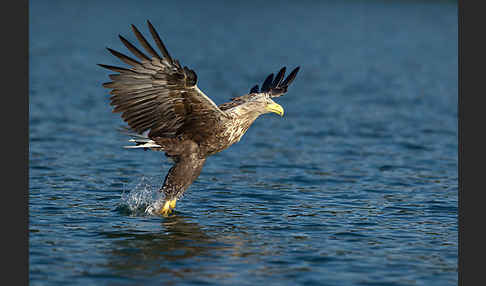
(15, 116)
(471, 63)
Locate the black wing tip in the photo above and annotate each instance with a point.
(296, 70)
(279, 85)
(267, 84)
(128, 60)
(139, 54)
(159, 42)
(107, 84)
(279, 77)
(290, 78)
(123, 39)
(117, 69)
(108, 67)
(114, 52)
(144, 42)
(254, 89)
(135, 29)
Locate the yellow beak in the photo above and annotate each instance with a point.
(274, 107)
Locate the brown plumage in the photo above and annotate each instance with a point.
(158, 95)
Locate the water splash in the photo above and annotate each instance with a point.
(141, 199)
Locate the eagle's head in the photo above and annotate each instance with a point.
(256, 104)
(261, 103)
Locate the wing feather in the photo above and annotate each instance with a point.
(159, 43)
(126, 59)
(134, 49)
(278, 86)
(267, 83)
(290, 78)
(157, 94)
(144, 43)
(254, 89)
(118, 69)
(279, 77)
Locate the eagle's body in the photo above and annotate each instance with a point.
(160, 96)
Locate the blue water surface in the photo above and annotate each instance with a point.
(355, 185)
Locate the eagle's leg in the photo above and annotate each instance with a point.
(186, 169)
(179, 178)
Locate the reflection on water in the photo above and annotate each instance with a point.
(168, 252)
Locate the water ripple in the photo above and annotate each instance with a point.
(355, 185)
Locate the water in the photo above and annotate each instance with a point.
(355, 185)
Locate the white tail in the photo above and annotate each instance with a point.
(143, 143)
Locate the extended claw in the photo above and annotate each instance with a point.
(168, 207)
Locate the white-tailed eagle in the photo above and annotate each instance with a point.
(158, 95)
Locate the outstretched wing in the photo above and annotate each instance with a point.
(158, 94)
(274, 87)
(278, 86)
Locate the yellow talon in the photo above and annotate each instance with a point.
(173, 203)
(169, 206)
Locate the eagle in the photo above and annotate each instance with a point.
(165, 111)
